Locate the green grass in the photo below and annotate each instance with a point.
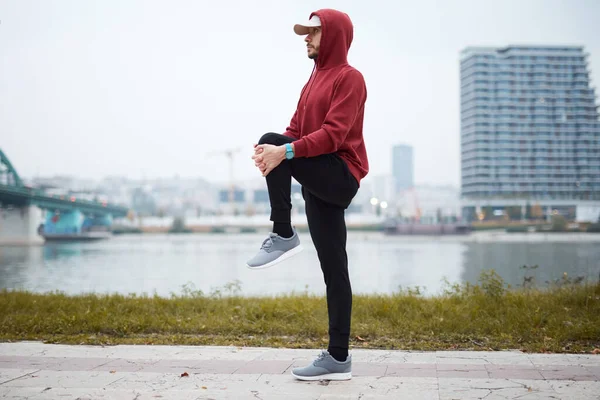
(486, 316)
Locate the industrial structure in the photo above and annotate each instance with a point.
(29, 214)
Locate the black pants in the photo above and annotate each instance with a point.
(328, 187)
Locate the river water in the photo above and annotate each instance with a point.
(163, 264)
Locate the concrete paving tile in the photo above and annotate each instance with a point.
(483, 357)
(169, 366)
(522, 374)
(551, 359)
(264, 367)
(9, 374)
(411, 396)
(164, 382)
(390, 387)
(172, 370)
(220, 353)
(227, 372)
(120, 394)
(269, 386)
(368, 369)
(467, 389)
(53, 363)
(461, 367)
(23, 348)
(31, 362)
(253, 395)
(152, 352)
(576, 390)
(85, 394)
(571, 373)
(151, 381)
(420, 358)
(460, 360)
(189, 395)
(576, 369)
(67, 379)
(185, 363)
(480, 354)
(594, 370)
(461, 354)
(80, 364)
(289, 354)
(219, 366)
(505, 394)
(19, 393)
(195, 366)
(118, 351)
(584, 359)
(513, 372)
(411, 370)
(175, 394)
(507, 367)
(123, 365)
(463, 374)
(415, 373)
(392, 356)
(10, 359)
(38, 349)
(396, 366)
(332, 396)
(385, 397)
(379, 356)
(508, 358)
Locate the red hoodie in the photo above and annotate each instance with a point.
(330, 112)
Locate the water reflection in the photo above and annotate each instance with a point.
(551, 261)
(378, 264)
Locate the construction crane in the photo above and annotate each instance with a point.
(417, 207)
(229, 153)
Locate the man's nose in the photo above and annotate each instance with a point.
(307, 39)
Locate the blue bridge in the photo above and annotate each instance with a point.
(29, 215)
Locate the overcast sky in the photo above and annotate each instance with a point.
(151, 88)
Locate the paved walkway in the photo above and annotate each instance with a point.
(32, 370)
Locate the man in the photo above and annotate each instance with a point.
(324, 150)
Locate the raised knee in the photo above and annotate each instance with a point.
(270, 138)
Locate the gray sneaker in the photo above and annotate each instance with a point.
(274, 250)
(325, 367)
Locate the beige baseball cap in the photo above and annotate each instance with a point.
(302, 29)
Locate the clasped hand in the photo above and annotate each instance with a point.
(267, 157)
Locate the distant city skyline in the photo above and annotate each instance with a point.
(153, 88)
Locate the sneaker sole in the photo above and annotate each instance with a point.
(340, 376)
(281, 258)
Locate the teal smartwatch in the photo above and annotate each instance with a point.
(289, 153)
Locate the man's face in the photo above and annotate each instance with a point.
(313, 40)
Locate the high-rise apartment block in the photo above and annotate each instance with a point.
(402, 167)
(529, 128)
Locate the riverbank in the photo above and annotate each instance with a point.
(485, 316)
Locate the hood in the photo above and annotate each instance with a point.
(336, 37)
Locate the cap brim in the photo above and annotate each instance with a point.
(301, 29)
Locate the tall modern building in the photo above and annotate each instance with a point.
(402, 167)
(530, 132)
